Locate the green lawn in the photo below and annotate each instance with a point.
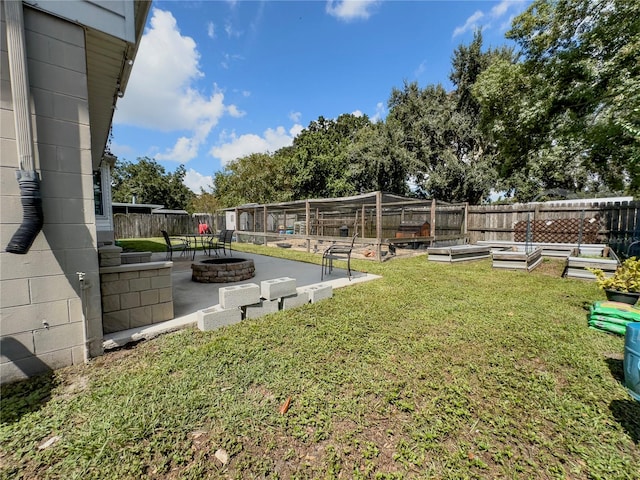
(434, 371)
(142, 244)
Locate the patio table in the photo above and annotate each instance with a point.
(192, 241)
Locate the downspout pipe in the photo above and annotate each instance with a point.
(28, 178)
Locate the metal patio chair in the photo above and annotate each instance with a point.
(174, 245)
(221, 242)
(337, 252)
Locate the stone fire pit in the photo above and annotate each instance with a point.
(222, 270)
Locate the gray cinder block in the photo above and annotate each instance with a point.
(319, 292)
(277, 288)
(263, 307)
(300, 298)
(239, 295)
(216, 317)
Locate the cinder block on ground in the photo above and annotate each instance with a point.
(319, 292)
(216, 317)
(239, 295)
(299, 299)
(263, 307)
(277, 288)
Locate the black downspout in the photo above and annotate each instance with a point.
(28, 179)
(32, 216)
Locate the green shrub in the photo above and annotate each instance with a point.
(625, 279)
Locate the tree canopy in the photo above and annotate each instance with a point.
(450, 157)
(567, 115)
(148, 182)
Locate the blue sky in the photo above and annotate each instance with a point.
(218, 80)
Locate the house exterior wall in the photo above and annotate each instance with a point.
(42, 305)
(115, 17)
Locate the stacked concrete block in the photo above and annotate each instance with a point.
(263, 307)
(249, 301)
(239, 295)
(278, 288)
(299, 299)
(319, 292)
(216, 317)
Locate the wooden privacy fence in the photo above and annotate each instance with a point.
(617, 223)
(145, 225)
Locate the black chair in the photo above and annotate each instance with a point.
(215, 243)
(228, 238)
(221, 242)
(337, 252)
(174, 245)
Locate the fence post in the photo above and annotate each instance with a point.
(379, 225)
(433, 219)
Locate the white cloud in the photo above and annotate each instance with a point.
(231, 31)
(211, 30)
(295, 130)
(122, 151)
(470, 24)
(233, 147)
(186, 148)
(483, 20)
(506, 25)
(162, 93)
(235, 112)
(195, 181)
(380, 112)
(421, 69)
(357, 113)
(295, 117)
(228, 58)
(501, 8)
(348, 10)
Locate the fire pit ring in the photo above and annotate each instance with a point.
(222, 270)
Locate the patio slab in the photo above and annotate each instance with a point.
(189, 297)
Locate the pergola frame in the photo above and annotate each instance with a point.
(365, 214)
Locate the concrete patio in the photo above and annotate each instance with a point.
(189, 297)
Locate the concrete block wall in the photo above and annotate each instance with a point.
(135, 295)
(42, 305)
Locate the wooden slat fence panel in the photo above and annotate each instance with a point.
(618, 222)
(144, 225)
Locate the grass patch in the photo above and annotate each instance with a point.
(436, 370)
(142, 244)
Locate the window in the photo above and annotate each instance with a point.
(97, 192)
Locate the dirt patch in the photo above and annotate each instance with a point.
(551, 267)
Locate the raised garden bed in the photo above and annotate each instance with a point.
(580, 260)
(562, 250)
(515, 258)
(458, 253)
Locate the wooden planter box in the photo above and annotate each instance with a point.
(517, 259)
(577, 266)
(458, 253)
